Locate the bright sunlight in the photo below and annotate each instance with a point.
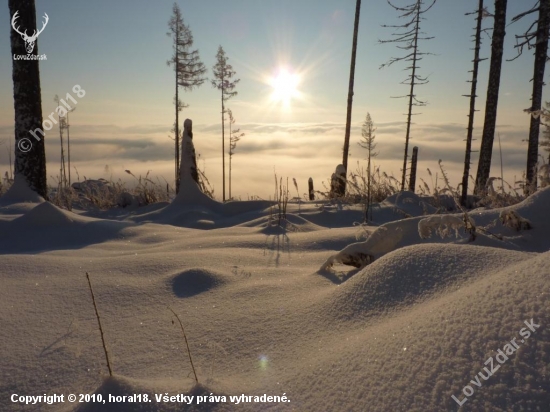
(284, 86)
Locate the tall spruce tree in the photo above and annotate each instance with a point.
(491, 104)
(188, 68)
(367, 133)
(27, 102)
(224, 81)
(407, 36)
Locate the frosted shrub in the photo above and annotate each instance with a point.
(510, 218)
(442, 225)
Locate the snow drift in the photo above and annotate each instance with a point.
(407, 332)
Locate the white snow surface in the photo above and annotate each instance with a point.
(19, 196)
(405, 333)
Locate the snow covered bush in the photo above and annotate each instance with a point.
(512, 219)
(544, 175)
(442, 225)
(446, 225)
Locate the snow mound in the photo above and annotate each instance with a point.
(20, 192)
(47, 227)
(333, 218)
(412, 274)
(269, 224)
(534, 210)
(524, 226)
(419, 358)
(195, 213)
(195, 281)
(45, 215)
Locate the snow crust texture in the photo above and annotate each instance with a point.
(407, 332)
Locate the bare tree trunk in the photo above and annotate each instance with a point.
(497, 50)
(62, 173)
(223, 147)
(68, 148)
(412, 179)
(411, 96)
(177, 131)
(471, 115)
(350, 91)
(230, 155)
(27, 102)
(541, 51)
(367, 208)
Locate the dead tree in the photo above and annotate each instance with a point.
(61, 116)
(350, 91)
(414, 162)
(68, 128)
(467, 158)
(223, 73)
(188, 68)
(408, 35)
(537, 39)
(491, 105)
(234, 137)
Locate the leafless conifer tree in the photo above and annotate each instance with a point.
(223, 73)
(480, 13)
(188, 68)
(407, 36)
(537, 39)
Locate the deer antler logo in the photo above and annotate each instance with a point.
(29, 40)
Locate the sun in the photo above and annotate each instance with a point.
(285, 86)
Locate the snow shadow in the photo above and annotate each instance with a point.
(195, 281)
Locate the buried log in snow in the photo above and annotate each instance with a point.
(383, 240)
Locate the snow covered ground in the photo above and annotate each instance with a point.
(265, 314)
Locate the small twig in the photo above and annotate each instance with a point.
(100, 328)
(212, 366)
(186, 343)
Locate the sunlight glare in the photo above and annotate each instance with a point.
(285, 86)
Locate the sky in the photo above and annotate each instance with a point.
(117, 51)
